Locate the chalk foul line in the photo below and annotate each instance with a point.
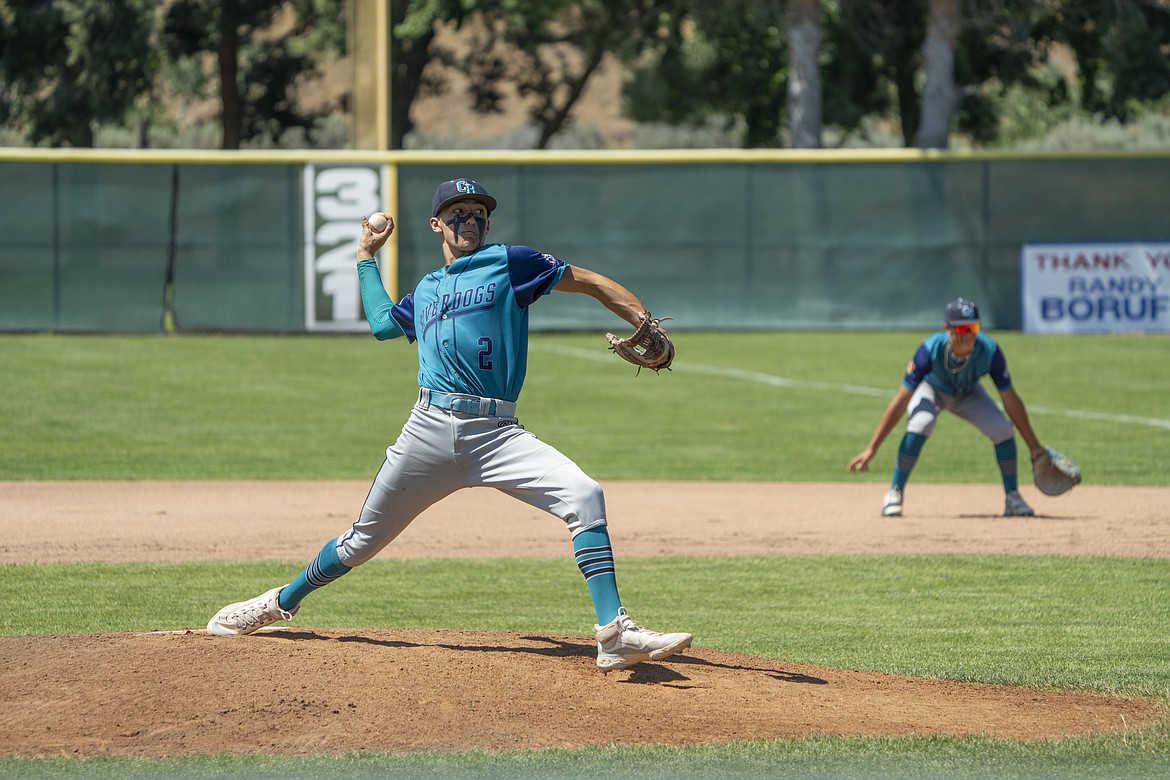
(771, 380)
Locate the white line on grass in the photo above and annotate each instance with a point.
(799, 384)
(1153, 422)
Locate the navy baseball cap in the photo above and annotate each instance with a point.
(460, 189)
(961, 312)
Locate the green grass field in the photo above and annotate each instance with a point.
(751, 406)
(754, 406)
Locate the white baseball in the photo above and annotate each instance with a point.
(378, 221)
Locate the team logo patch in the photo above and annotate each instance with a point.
(465, 186)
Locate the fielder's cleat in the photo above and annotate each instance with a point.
(622, 643)
(892, 506)
(1015, 506)
(245, 617)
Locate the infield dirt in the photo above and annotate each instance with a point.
(300, 691)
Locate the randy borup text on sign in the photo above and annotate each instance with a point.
(1096, 288)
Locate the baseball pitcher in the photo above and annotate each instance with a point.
(469, 321)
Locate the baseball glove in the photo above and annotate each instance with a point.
(648, 347)
(1055, 473)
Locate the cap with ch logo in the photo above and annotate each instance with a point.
(460, 189)
(961, 312)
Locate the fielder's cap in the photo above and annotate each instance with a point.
(460, 189)
(961, 312)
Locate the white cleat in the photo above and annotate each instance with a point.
(622, 643)
(244, 617)
(892, 506)
(1015, 506)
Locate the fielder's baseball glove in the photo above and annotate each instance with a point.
(1055, 473)
(648, 347)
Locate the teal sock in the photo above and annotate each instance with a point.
(595, 560)
(323, 569)
(1006, 457)
(908, 452)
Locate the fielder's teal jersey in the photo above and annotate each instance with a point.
(934, 363)
(470, 318)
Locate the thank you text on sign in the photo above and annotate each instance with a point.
(1095, 288)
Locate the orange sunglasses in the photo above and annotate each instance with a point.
(963, 330)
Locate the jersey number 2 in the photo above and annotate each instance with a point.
(485, 354)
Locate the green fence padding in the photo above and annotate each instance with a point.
(735, 245)
(29, 293)
(239, 248)
(81, 247)
(746, 242)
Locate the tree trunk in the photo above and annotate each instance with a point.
(551, 118)
(229, 85)
(940, 96)
(804, 74)
(406, 70)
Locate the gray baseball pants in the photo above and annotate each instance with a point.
(976, 407)
(440, 451)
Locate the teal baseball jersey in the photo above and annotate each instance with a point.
(470, 318)
(934, 363)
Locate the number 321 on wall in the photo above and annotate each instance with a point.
(336, 198)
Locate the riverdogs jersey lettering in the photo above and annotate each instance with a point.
(934, 363)
(470, 318)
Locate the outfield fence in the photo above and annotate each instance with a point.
(140, 241)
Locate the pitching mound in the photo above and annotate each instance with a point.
(296, 691)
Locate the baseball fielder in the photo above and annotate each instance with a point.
(469, 319)
(944, 375)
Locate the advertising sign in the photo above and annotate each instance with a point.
(336, 198)
(1095, 288)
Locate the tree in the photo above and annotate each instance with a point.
(257, 70)
(412, 47)
(725, 58)
(67, 67)
(873, 63)
(551, 50)
(1120, 48)
(975, 47)
(940, 95)
(994, 55)
(962, 52)
(415, 24)
(547, 50)
(804, 73)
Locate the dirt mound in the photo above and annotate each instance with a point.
(297, 691)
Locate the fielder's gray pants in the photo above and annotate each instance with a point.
(975, 407)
